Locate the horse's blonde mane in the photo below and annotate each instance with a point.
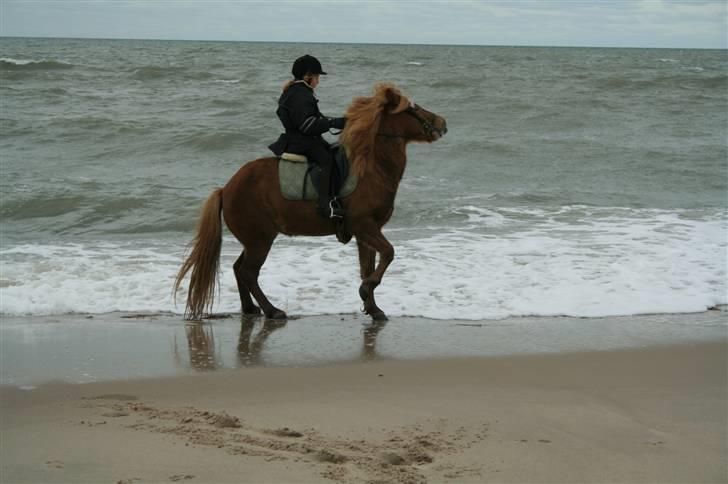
(363, 119)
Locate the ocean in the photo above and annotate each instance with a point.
(583, 182)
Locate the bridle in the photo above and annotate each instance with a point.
(427, 127)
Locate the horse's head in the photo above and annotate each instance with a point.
(403, 118)
(386, 116)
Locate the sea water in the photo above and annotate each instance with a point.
(572, 181)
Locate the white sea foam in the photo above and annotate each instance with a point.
(481, 216)
(25, 62)
(18, 62)
(630, 262)
(227, 81)
(413, 63)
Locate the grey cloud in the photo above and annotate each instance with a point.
(653, 23)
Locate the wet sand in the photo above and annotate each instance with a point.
(100, 347)
(655, 414)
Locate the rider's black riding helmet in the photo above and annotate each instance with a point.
(304, 65)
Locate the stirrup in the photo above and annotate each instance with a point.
(335, 209)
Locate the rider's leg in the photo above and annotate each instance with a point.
(322, 157)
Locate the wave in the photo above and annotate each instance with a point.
(149, 73)
(577, 261)
(695, 80)
(42, 206)
(367, 62)
(453, 83)
(83, 128)
(54, 91)
(237, 102)
(228, 112)
(9, 64)
(689, 81)
(213, 141)
(85, 122)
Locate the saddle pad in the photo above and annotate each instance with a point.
(290, 175)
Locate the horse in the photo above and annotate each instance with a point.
(377, 132)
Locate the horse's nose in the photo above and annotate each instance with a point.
(444, 126)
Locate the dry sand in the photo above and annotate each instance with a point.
(641, 415)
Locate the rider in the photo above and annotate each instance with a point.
(304, 124)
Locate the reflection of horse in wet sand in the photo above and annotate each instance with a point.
(369, 346)
(205, 355)
(249, 348)
(201, 346)
(377, 132)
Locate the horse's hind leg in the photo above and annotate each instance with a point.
(247, 304)
(367, 261)
(256, 251)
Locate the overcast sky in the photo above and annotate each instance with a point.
(602, 23)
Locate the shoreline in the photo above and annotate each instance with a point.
(118, 346)
(654, 414)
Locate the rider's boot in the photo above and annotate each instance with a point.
(328, 206)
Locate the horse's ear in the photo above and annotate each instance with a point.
(392, 95)
(396, 102)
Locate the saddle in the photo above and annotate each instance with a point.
(299, 177)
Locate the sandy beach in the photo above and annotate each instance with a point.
(650, 414)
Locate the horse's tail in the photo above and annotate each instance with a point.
(204, 260)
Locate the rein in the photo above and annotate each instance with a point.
(427, 127)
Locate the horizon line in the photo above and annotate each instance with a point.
(356, 43)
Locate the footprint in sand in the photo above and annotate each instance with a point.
(399, 459)
(392, 459)
(115, 396)
(115, 414)
(181, 477)
(284, 432)
(325, 455)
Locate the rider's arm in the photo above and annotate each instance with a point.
(338, 123)
(307, 118)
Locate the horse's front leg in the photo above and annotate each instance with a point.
(367, 261)
(369, 244)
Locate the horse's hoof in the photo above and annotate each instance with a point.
(379, 316)
(277, 315)
(252, 311)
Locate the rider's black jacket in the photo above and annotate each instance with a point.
(304, 124)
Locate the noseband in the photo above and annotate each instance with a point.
(427, 127)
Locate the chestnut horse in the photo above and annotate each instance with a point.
(376, 135)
